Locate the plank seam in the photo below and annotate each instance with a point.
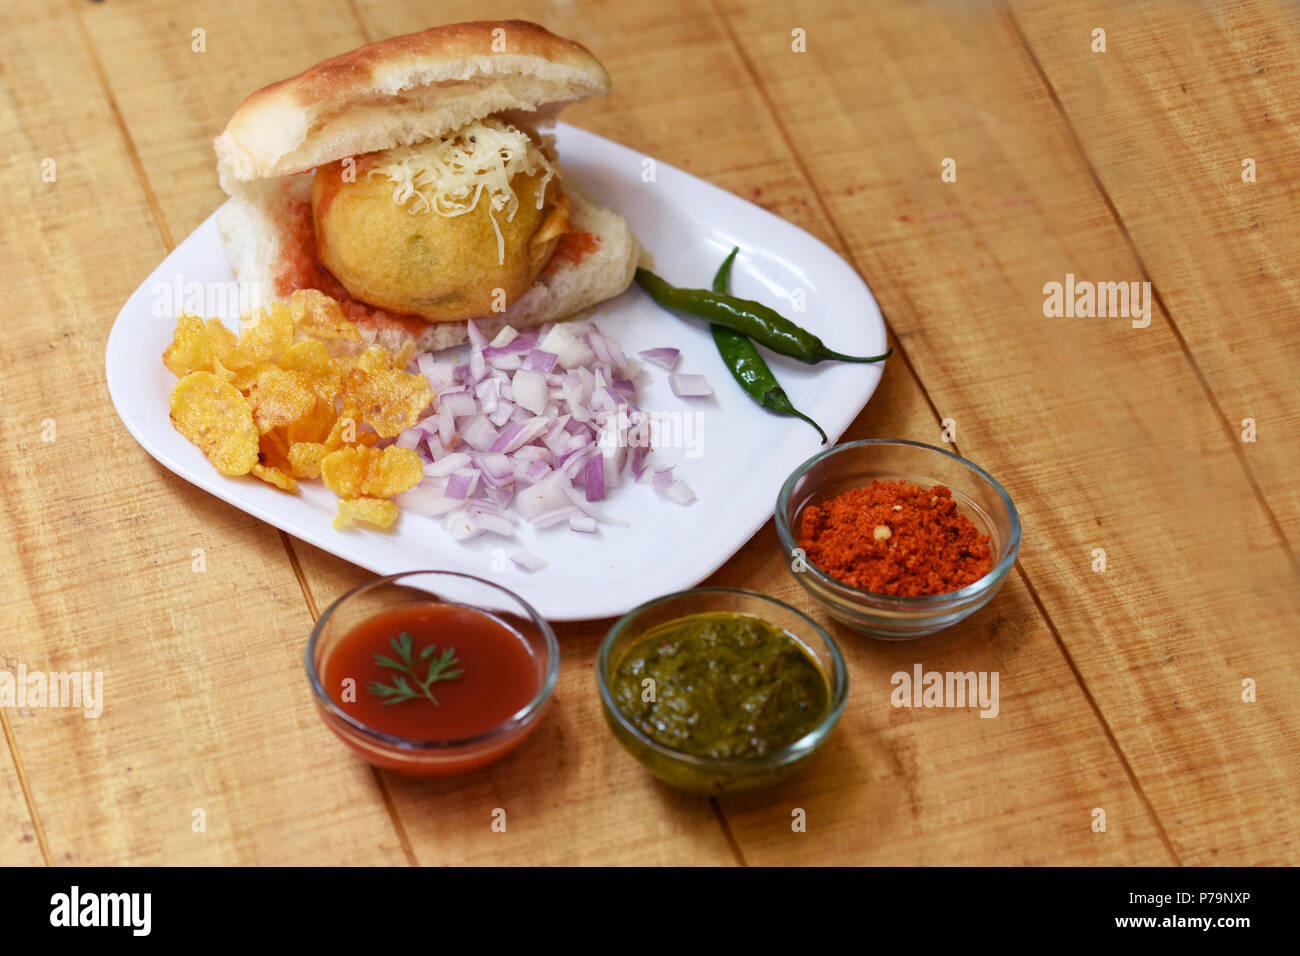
(1101, 718)
(407, 849)
(732, 842)
(902, 352)
(1237, 447)
(361, 24)
(121, 125)
(12, 741)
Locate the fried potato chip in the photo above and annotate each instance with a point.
(387, 399)
(190, 350)
(319, 316)
(274, 476)
(376, 358)
(313, 359)
(370, 472)
(278, 397)
(214, 416)
(305, 458)
(376, 511)
(264, 404)
(347, 431)
(273, 449)
(198, 346)
(402, 357)
(314, 426)
(220, 339)
(263, 335)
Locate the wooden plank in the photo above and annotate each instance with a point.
(20, 844)
(1102, 432)
(204, 705)
(1183, 100)
(895, 786)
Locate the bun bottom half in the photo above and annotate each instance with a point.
(255, 231)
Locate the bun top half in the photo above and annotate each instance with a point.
(404, 90)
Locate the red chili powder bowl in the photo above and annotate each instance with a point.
(895, 538)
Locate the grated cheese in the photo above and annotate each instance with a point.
(449, 175)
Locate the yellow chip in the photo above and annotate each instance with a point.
(263, 335)
(388, 400)
(376, 511)
(313, 427)
(375, 359)
(305, 458)
(220, 339)
(313, 359)
(190, 350)
(273, 449)
(319, 316)
(355, 472)
(402, 357)
(274, 476)
(278, 397)
(215, 417)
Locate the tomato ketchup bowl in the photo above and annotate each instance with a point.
(432, 673)
(978, 502)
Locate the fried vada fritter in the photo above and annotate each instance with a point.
(433, 230)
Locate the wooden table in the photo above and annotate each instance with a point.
(1121, 689)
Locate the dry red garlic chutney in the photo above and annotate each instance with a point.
(895, 538)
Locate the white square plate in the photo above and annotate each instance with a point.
(742, 454)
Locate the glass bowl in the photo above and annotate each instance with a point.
(856, 464)
(711, 775)
(433, 758)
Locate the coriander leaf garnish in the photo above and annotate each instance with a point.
(399, 691)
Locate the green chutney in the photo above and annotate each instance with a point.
(725, 685)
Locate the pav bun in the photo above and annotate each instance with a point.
(418, 269)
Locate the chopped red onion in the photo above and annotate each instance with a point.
(539, 361)
(571, 351)
(662, 479)
(639, 453)
(594, 478)
(519, 434)
(529, 562)
(458, 405)
(439, 373)
(479, 433)
(690, 386)
(589, 509)
(461, 484)
(527, 426)
(545, 519)
(446, 465)
(546, 494)
(504, 411)
(488, 393)
(496, 465)
(680, 492)
(663, 357)
(583, 523)
(529, 390)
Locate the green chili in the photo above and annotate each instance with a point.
(752, 319)
(746, 365)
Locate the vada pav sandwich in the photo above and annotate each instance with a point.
(413, 180)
